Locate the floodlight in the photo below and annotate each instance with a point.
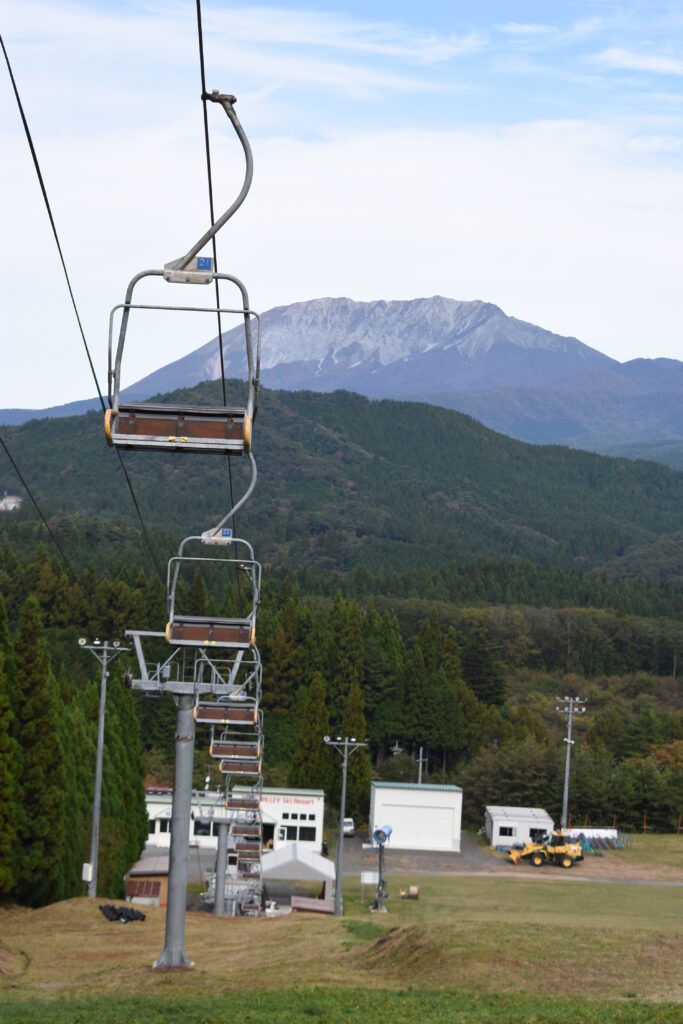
(380, 835)
(353, 739)
(326, 739)
(117, 643)
(82, 641)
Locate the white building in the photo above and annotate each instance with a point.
(292, 815)
(508, 826)
(10, 502)
(288, 816)
(423, 817)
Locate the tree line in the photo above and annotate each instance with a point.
(472, 684)
(48, 736)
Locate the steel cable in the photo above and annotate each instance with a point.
(75, 308)
(207, 147)
(37, 508)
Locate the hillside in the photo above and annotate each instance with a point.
(348, 482)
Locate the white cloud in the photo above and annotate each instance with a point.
(267, 26)
(561, 223)
(616, 59)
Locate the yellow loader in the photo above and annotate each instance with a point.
(554, 849)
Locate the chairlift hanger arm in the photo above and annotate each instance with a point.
(228, 103)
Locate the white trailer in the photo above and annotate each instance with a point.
(423, 817)
(510, 826)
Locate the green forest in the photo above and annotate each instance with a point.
(345, 482)
(473, 683)
(427, 583)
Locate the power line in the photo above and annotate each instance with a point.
(37, 508)
(78, 318)
(142, 522)
(52, 221)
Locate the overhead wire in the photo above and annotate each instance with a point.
(43, 189)
(37, 507)
(207, 148)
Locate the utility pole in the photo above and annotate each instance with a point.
(346, 747)
(104, 653)
(420, 761)
(569, 706)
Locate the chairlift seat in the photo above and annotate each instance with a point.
(245, 846)
(188, 428)
(240, 766)
(236, 748)
(210, 631)
(233, 712)
(246, 831)
(242, 803)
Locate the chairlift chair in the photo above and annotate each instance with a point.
(240, 766)
(212, 630)
(159, 427)
(234, 711)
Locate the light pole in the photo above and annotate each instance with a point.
(381, 835)
(104, 653)
(346, 747)
(569, 706)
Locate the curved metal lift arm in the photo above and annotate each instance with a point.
(179, 271)
(228, 104)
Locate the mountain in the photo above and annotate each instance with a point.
(513, 376)
(345, 482)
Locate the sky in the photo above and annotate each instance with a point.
(528, 154)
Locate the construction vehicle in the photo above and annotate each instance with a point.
(553, 849)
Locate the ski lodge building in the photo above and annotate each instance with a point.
(288, 816)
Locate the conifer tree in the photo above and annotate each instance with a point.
(359, 768)
(41, 779)
(382, 678)
(311, 765)
(481, 669)
(79, 768)
(196, 599)
(7, 648)
(8, 803)
(346, 665)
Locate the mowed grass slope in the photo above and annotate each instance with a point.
(470, 949)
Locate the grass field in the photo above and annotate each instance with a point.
(654, 850)
(468, 950)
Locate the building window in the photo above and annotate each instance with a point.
(152, 826)
(307, 834)
(295, 817)
(311, 817)
(292, 831)
(285, 814)
(202, 828)
(506, 830)
(163, 824)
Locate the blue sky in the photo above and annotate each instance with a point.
(527, 153)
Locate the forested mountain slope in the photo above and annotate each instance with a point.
(348, 482)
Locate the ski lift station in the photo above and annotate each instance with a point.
(508, 826)
(287, 815)
(423, 817)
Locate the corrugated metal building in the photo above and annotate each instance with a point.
(508, 826)
(423, 817)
